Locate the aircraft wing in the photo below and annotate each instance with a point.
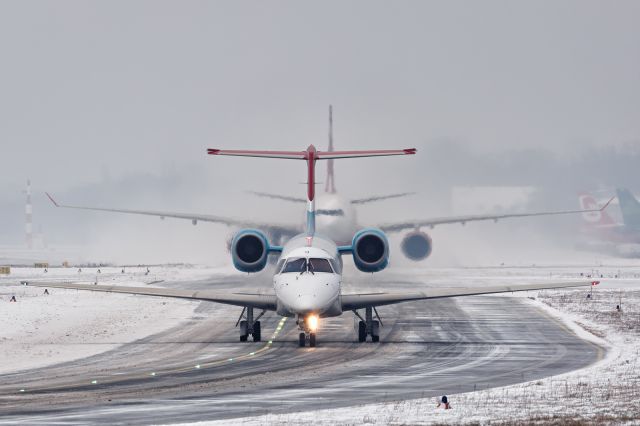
(260, 301)
(375, 198)
(395, 227)
(194, 218)
(358, 301)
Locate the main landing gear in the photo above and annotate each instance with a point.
(367, 326)
(249, 325)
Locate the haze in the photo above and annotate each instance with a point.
(115, 103)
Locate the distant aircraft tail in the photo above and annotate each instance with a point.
(594, 217)
(311, 155)
(630, 208)
(330, 185)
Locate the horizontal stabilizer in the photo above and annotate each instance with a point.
(318, 155)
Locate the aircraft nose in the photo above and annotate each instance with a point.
(312, 297)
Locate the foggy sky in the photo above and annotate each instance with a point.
(116, 102)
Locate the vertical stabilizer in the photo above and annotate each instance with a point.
(330, 185)
(594, 218)
(28, 226)
(630, 208)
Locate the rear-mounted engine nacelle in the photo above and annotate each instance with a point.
(249, 250)
(416, 245)
(370, 250)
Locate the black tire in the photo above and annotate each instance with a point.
(302, 340)
(375, 338)
(257, 335)
(362, 332)
(243, 337)
(312, 340)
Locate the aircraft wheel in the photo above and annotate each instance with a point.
(362, 332)
(312, 340)
(375, 331)
(256, 332)
(302, 340)
(243, 337)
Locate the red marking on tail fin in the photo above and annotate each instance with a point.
(595, 218)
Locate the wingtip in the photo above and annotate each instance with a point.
(410, 151)
(607, 203)
(52, 200)
(213, 151)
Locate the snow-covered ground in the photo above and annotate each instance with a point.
(66, 325)
(607, 392)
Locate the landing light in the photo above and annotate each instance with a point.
(312, 322)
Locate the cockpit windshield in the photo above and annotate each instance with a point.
(311, 265)
(319, 265)
(295, 265)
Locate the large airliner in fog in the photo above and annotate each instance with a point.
(307, 282)
(337, 216)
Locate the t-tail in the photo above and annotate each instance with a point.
(311, 155)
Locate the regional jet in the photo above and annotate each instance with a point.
(307, 282)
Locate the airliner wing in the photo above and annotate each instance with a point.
(260, 301)
(358, 301)
(394, 227)
(375, 198)
(194, 218)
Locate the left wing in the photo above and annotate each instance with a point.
(260, 301)
(194, 218)
(394, 227)
(358, 301)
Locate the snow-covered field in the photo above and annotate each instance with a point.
(40, 330)
(607, 392)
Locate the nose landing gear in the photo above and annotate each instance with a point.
(302, 340)
(308, 327)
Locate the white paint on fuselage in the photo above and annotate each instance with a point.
(300, 294)
(336, 218)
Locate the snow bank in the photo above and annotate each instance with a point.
(66, 325)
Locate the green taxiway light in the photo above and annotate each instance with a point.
(270, 342)
(230, 359)
(153, 374)
(198, 366)
(94, 382)
(21, 390)
(252, 353)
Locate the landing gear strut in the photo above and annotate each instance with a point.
(249, 325)
(367, 326)
(307, 331)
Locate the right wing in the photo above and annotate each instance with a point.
(194, 218)
(260, 301)
(394, 227)
(374, 198)
(365, 300)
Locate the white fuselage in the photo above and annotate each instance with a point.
(336, 218)
(301, 292)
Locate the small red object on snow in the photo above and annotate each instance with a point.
(595, 282)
